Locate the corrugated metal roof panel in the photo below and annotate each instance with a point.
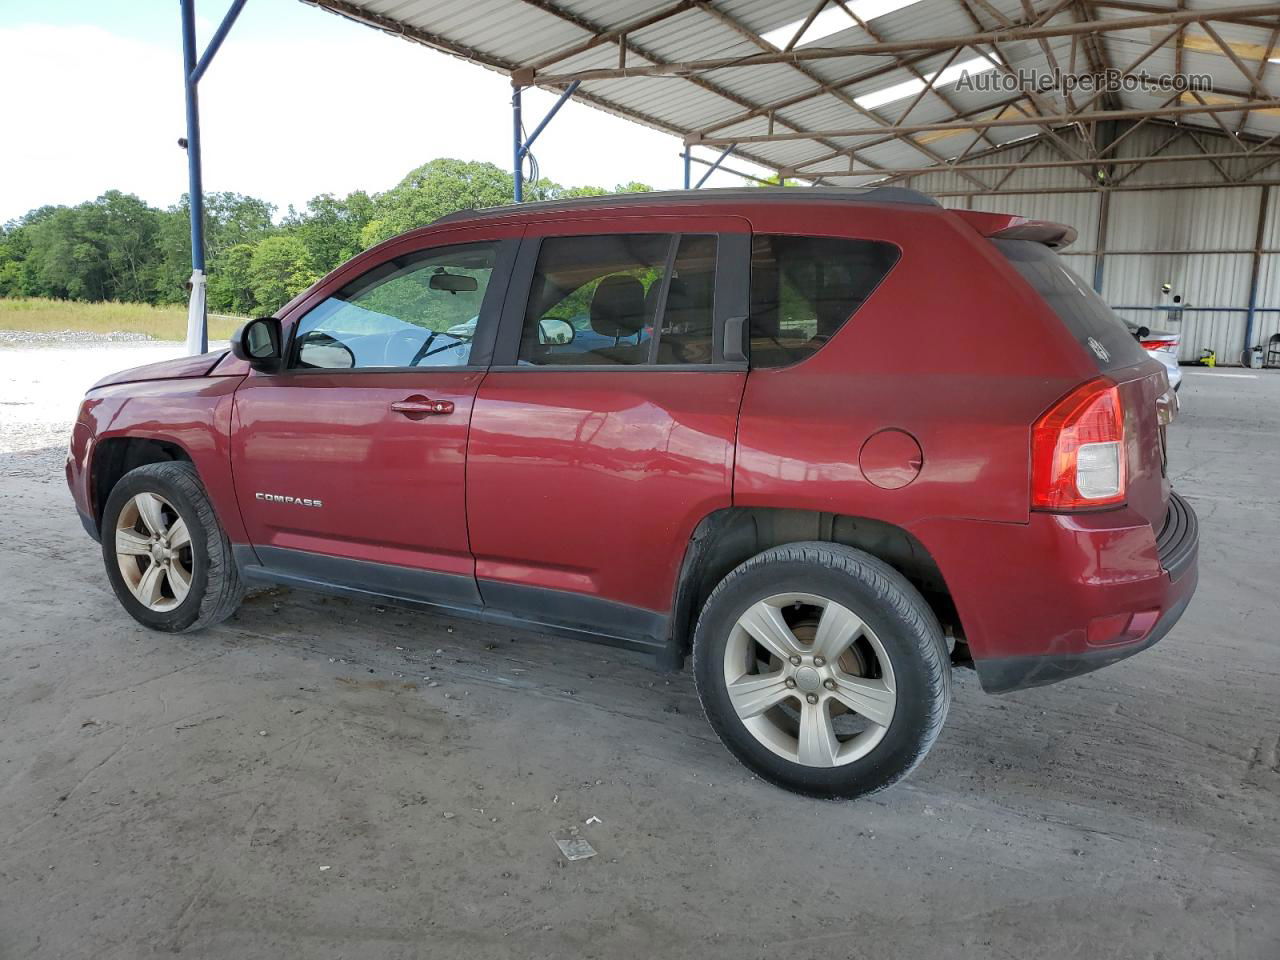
(506, 33)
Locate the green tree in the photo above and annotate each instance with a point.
(279, 270)
(233, 218)
(432, 190)
(14, 266)
(118, 248)
(231, 282)
(330, 227)
(104, 249)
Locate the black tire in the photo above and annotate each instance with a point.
(215, 590)
(887, 603)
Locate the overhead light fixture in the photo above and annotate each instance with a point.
(909, 88)
(832, 20)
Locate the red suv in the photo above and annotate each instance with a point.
(830, 442)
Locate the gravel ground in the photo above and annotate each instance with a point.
(67, 338)
(329, 779)
(44, 376)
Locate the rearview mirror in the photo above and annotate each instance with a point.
(555, 332)
(453, 282)
(258, 342)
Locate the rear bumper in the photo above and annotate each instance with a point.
(1002, 674)
(1065, 594)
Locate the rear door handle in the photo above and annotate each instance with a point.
(419, 406)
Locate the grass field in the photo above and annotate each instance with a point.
(53, 316)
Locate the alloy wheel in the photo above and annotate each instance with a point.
(153, 550)
(809, 679)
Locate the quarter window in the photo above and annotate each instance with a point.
(803, 289)
(418, 310)
(624, 299)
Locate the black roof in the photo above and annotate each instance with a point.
(716, 195)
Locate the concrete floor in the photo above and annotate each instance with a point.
(292, 784)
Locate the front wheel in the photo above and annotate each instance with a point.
(167, 557)
(822, 669)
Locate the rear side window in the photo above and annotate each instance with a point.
(1095, 326)
(803, 289)
(621, 300)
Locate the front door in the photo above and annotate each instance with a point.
(350, 461)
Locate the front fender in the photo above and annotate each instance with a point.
(193, 415)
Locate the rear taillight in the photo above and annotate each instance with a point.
(1159, 344)
(1077, 450)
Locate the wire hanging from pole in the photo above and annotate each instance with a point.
(535, 172)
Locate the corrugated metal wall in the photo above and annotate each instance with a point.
(1200, 242)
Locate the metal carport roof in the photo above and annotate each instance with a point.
(855, 100)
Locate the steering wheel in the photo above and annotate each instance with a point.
(400, 343)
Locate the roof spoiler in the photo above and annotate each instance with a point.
(1004, 226)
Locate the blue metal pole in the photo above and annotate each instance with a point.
(687, 172)
(517, 147)
(195, 189)
(216, 41)
(547, 119)
(716, 166)
(1255, 273)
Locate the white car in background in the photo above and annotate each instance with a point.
(1163, 346)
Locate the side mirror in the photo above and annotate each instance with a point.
(555, 332)
(258, 342)
(1142, 333)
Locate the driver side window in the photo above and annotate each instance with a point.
(417, 310)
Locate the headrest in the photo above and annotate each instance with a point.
(617, 307)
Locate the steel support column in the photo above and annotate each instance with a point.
(517, 153)
(522, 145)
(192, 71)
(1255, 271)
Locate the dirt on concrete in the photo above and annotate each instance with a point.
(319, 778)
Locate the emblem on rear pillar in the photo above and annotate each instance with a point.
(1103, 353)
(278, 498)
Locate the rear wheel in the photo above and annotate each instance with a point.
(167, 557)
(822, 669)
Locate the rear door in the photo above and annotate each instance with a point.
(605, 428)
(350, 462)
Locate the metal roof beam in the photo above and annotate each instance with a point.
(396, 28)
(1135, 7)
(1058, 120)
(1255, 88)
(1038, 103)
(685, 68)
(529, 76)
(871, 32)
(822, 87)
(1262, 68)
(1041, 164)
(617, 34)
(792, 100)
(1045, 191)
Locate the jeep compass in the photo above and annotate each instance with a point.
(827, 444)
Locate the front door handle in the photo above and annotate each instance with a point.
(418, 406)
